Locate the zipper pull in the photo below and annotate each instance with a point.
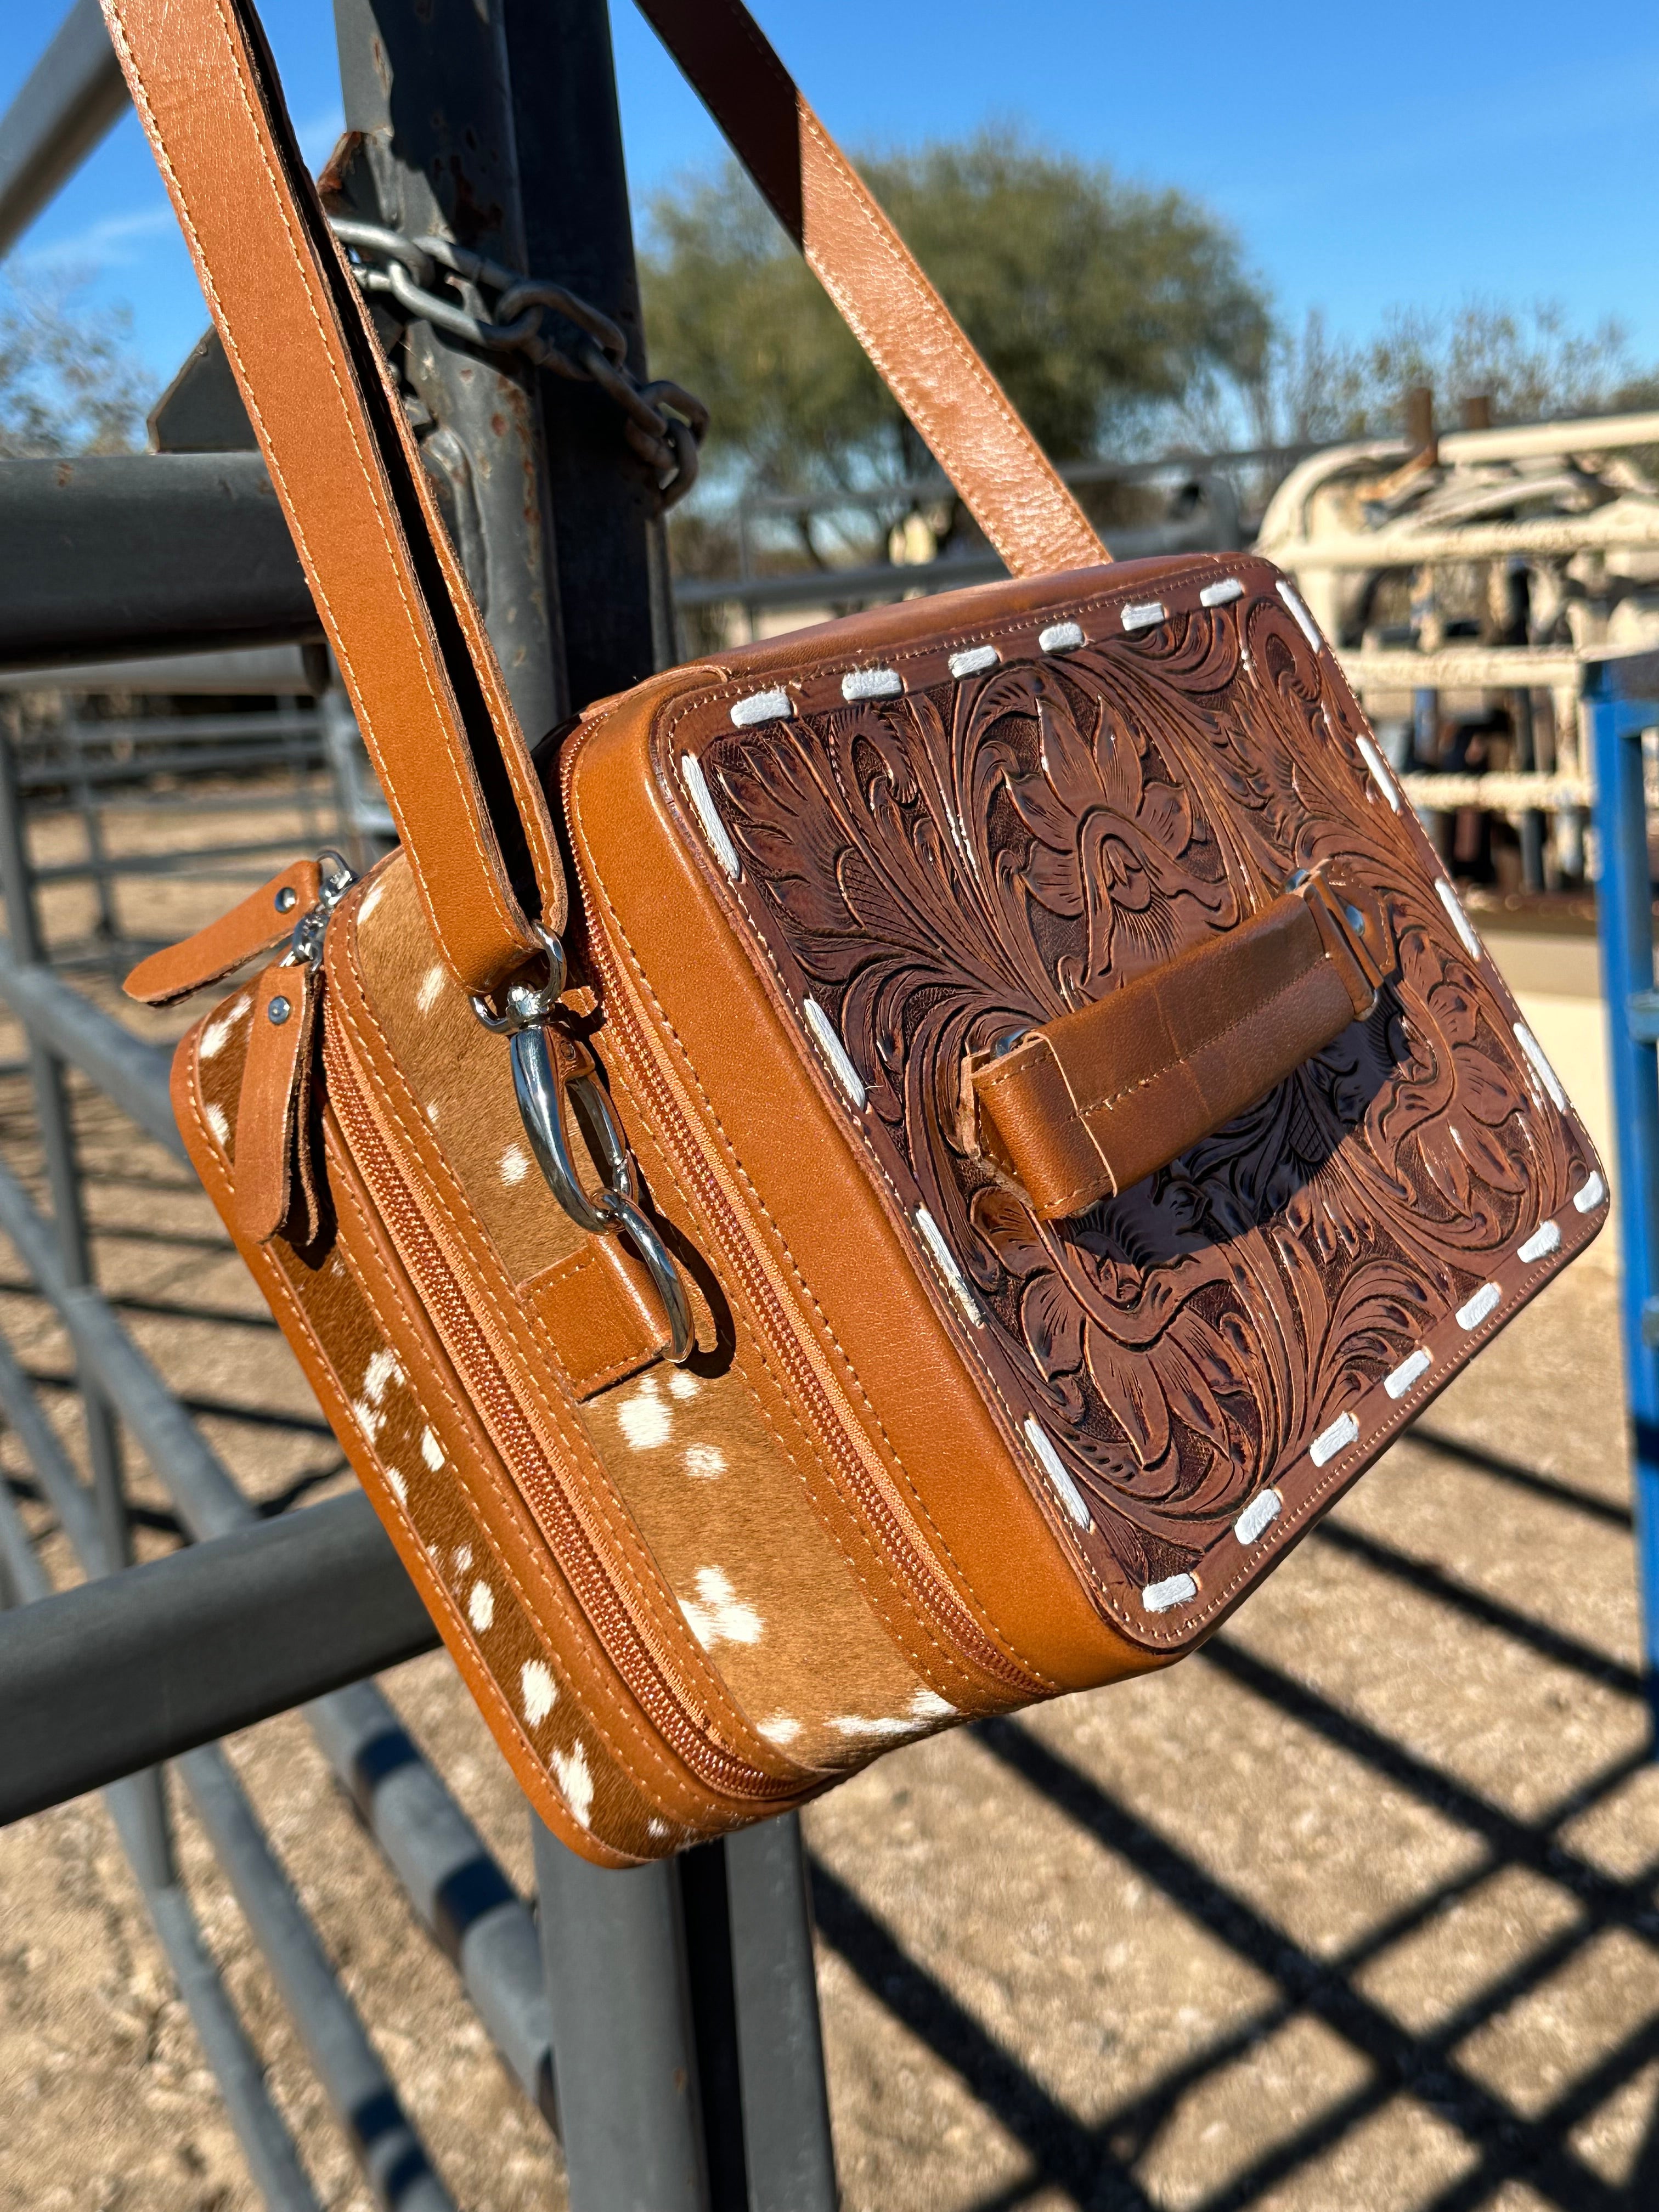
(278, 1188)
(257, 925)
(274, 1190)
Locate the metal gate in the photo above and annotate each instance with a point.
(665, 2020)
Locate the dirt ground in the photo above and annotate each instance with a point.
(1356, 1910)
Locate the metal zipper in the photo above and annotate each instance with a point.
(944, 1610)
(644, 1667)
(305, 948)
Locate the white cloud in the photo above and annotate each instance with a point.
(114, 241)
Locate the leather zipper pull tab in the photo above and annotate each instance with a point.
(257, 925)
(276, 1182)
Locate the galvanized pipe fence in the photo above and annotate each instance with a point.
(143, 1664)
(665, 2020)
(114, 773)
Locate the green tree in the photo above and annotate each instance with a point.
(1102, 308)
(67, 383)
(1530, 362)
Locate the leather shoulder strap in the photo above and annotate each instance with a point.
(922, 352)
(429, 697)
(428, 694)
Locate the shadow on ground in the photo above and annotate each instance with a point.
(1356, 1910)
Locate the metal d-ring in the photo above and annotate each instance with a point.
(541, 1107)
(527, 1004)
(642, 1233)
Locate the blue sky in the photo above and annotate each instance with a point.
(1404, 157)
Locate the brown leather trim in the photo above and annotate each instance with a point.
(915, 342)
(254, 925)
(1085, 1106)
(597, 1308)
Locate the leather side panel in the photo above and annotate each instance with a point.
(789, 1597)
(488, 1597)
(875, 1323)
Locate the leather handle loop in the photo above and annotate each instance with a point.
(920, 349)
(1087, 1105)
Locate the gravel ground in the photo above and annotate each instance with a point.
(1355, 1909)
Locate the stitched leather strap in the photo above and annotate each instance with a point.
(1085, 1106)
(601, 1311)
(428, 694)
(257, 924)
(922, 351)
(429, 697)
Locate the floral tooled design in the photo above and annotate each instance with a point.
(943, 867)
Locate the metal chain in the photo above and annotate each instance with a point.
(663, 424)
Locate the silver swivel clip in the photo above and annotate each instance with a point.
(551, 1067)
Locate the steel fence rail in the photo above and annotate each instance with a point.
(251, 759)
(131, 1669)
(198, 861)
(74, 95)
(1622, 707)
(273, 2161)
(455, 1886)
(123, 1066)
(114, 553)
(101, 769)
(876, 581)
(1606, 530)
(392, 2158)
(67, 1496)
(1436, 791)
(210, 1504)
(300, 798)
(457, 1891)
(186, 731)
(240, 671)
(266, 2144)
(195, 1477)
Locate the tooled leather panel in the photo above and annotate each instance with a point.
(970, 857)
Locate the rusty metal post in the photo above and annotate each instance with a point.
(433, 151)
(497, 128)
